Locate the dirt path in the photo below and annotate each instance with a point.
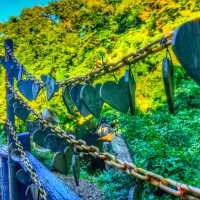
(86, 190)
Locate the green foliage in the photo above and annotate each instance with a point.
(127, 19)
(66, 38)
(114, 1)
(163, 143)
(3, 138)
(115, 184)
(44, 156)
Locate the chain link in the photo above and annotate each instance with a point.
(25, 160)
(168, 185)
(131, 58)
(104, 68)
(172, 187)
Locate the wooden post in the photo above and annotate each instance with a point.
(4, 179)
(4, 189)
(13, 191)
(55, 188)
(24, 138)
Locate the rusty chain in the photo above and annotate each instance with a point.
(25, 160)
(105, 68)
(168, 185)
(131, 58)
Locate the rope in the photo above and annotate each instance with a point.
(168, 185)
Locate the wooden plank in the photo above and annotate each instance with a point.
(24, 138)
(54, 187)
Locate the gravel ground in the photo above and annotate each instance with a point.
(86, 190)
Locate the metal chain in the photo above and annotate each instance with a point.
(131, 58)
(25, 160)
(104, 68)
(168, 185)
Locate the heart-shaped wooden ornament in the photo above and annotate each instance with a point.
(50, 86)
(62, 161)
(132, 87)
(186, 46)
(23, 177)
(167, 69)
(135, 193)
(116, 94)
(55, 143)
(32, 192)
(68, 152)
(49, 116)
(15, 155)
(40, 135)
(18, 72)
(8, 64)
(75, 94)
(59, 163)
(68, 100)
(33, 126)
(90, 97)
(17, 69)
(76, 168)
(29, 88)
(20, 110)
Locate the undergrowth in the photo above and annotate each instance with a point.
(167, 144)
(68, 41)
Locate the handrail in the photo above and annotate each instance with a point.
(168, 185)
